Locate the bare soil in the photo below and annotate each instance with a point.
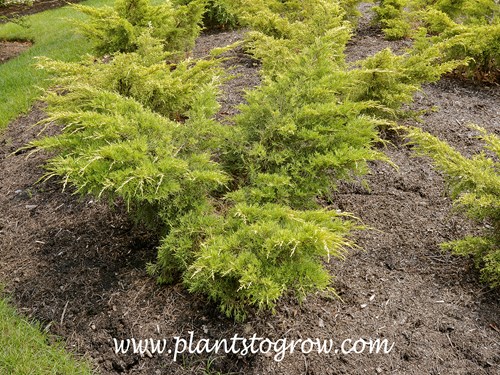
(11, 49)
(78, 266)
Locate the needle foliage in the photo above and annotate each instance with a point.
(237, 205)
(118, 28)
(217, 14)
(474, 185)
(463, 30)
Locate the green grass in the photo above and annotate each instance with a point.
(25, 350)
(53, 36)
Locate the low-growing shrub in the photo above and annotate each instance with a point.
(175, 91)
(475, 188)
(218, 13)
(293, 141)
(399, 17)
(391, 80)
(238, 207)
(117, 29)
(463, 30)
(112, 147)
(479, 44)
(251, 255)
(139, 129)
(386, 80)
(351, 9)
(298, 130)
(292, 20)
(276, 39)
(239, 254)
(390, 14)
(462, 11)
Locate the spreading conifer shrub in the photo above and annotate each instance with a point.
(299, 134)
(293, 141)
(249, 255)
(385, 80)
(117, 29)
(138, 129)
(391, 80)
(399, 17)
(141, 130)
(463, 30)
(277, 36)
(463, 11)
(475, 188)
(479, 44)
(390, 14)
(218, 13)
(112, 147)
(237, 207)
(175, 91)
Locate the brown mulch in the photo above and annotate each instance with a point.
(11, 49)
(18, 10)
(78, 266)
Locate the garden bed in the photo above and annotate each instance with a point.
(11, 49)
(79, 267)
(23, 9)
